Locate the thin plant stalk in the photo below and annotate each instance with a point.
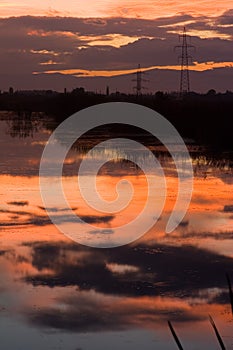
(217, 333)
(178, 343)
(230, 291)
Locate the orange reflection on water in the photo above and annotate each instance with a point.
(54, 283)
(206, 212)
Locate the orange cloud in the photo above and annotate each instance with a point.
(199, 67)
(153, 9)
(105, 8)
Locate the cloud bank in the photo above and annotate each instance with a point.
(107, 47)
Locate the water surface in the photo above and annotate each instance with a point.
(57, 294)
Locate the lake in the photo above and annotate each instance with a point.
(58, 294)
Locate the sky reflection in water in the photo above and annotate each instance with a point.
(57, 294)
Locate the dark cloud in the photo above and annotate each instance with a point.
(30, 44)
(104, 232)
(92, 219)
(159, 270)
(218, 236)
(226, 18)
(18, 203)
(228, 208)
(201, 200)
(3, 252)
(184, 224)
(86, 314)
(55, 210)
(28, 218)
(181, 269)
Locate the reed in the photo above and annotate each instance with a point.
(178, 343)
(220, 341)
(230, 291)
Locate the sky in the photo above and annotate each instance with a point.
(97, 43)
(149, 9)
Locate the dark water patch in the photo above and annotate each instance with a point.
(228, 209)
(18, 203)
(183, 270)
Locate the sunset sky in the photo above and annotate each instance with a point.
(57, 44)
(149, 9)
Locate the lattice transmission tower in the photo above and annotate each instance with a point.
(139, 79)
(185, 60)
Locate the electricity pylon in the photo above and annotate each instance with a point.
(139, 81)
(185, 59)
